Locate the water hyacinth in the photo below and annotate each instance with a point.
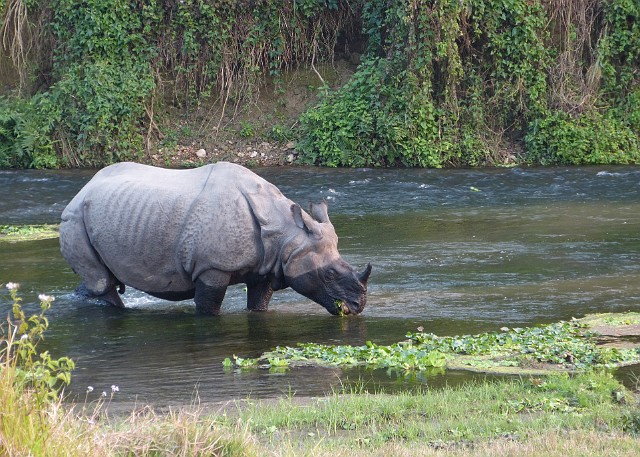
(567, 345)
(403, 356)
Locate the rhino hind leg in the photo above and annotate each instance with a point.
(98, 281)
(258, 294)
(110, 296)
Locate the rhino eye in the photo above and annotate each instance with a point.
(330, 274)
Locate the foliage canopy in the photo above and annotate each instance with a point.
(440, 83)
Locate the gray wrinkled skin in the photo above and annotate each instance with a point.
(181, 234)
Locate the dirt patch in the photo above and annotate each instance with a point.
(249, 154)
(262, 132)
(617, 330)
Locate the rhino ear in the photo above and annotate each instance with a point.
(303, 221)
(298, 218)
(319, 211)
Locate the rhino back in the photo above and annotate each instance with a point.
(134, 219)
(158, 229)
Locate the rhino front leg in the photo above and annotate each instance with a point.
(211, 287)
(259, 293)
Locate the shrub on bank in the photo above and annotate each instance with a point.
(467, 83)
(439, 84)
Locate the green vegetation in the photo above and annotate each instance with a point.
(461, 83)
(439, 83)
(563, 345)
(558, 415)
(94, 73)
(14, 233)
(468, 419)
(29, 381)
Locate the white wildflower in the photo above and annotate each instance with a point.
(47, 298)
(12, 285)
(104, 394)
(24, 337)
(89, 388)
(115, 389)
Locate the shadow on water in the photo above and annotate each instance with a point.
(454, 251)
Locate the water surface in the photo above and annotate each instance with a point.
(454, 251)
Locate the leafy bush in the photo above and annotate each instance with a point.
(422, 95)
(99, 63)
(441, 83)
(97, 110)
(25, 136)
(592, 138)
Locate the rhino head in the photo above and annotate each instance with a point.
(315, 269)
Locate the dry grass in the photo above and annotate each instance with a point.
(16, 35)
(551, 444)
(574, 25)
(62, 431)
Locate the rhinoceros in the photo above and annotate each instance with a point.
(189, 234)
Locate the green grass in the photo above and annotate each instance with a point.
(13, 233)
(464, 417)
(612, 319)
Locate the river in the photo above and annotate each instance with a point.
(453, 251)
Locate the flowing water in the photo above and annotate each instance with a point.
(454, 251)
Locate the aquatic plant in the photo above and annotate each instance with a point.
(403, 355)
(566, 345)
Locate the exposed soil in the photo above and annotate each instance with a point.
(247, 153)
(259, 133)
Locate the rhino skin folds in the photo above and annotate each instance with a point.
(181, 234)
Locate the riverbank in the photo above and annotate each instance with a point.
(561, 415)
(249, 153)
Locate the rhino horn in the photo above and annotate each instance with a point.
(364, 276)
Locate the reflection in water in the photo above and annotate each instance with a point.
(454, 251)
